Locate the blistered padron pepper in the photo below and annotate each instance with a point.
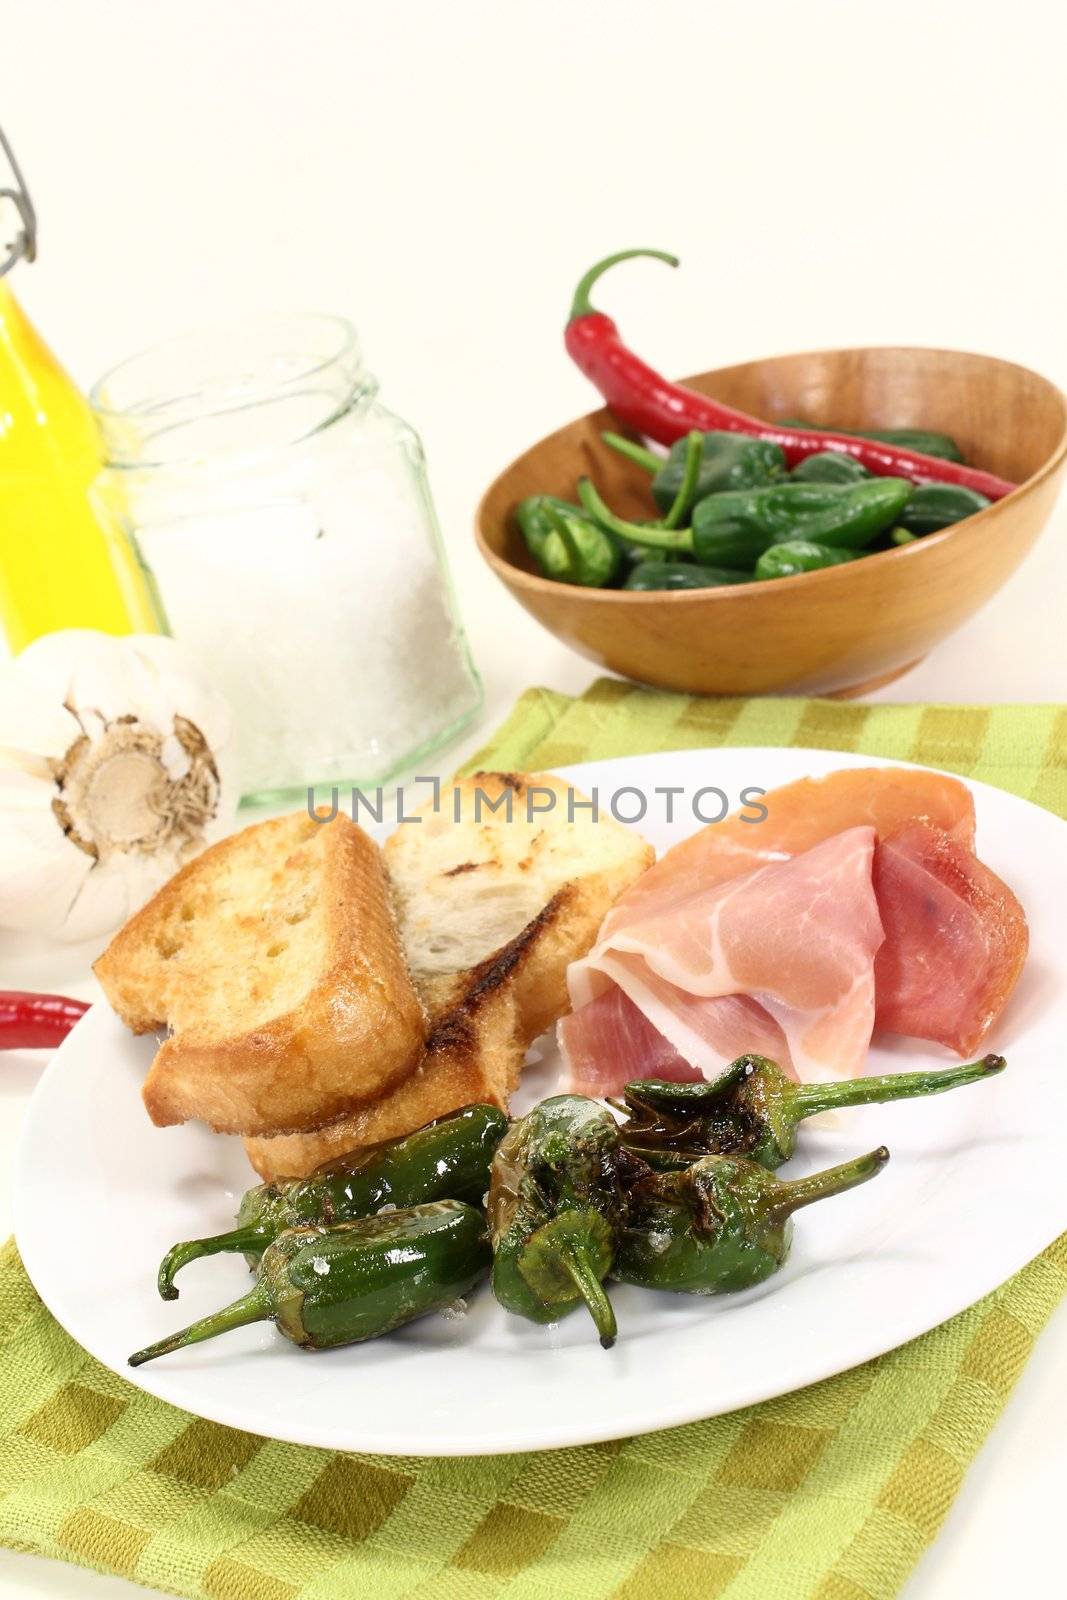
(735, 528)
(753, 1109)
(447, 1159)
(723, 1224)
(727, 461)
(556, 1200)
(325, 1286)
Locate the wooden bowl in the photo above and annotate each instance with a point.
(845, 629)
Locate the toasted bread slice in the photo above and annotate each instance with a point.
(491, 913)
(274, 960)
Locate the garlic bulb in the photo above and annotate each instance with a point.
(116, 767)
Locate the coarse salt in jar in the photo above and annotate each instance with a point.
(284, 523)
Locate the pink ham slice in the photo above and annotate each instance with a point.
(799, 815)
(956, 939)
(610, 1041)
(794, 939)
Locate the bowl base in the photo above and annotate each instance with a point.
(856, 689)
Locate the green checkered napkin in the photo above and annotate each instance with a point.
(828, 1494)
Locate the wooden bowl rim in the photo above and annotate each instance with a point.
(509, 573)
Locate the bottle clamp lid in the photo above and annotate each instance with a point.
(23, 246)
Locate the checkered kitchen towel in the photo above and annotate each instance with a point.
(827, 1494)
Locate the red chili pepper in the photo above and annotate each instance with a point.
(667, 411)
(36, 1021)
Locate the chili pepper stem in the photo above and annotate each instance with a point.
(560, 524)
(254, 1306)
(635, 452)
(799, 1192)
(178, 1256)
(807, 1099)
(576, 1262)
(580, 305)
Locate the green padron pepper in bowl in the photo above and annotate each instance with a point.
(934, 506)
(566, 545)
(727, 461)
(733, 529)
(678, 574)
(923, 440)
(829, 466)
(794, 556)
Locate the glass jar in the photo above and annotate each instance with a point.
(283, 520)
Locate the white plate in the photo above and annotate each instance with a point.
(974, 1190)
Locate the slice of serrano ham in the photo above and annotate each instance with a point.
(795, 940)
(956, 939)
(614, 1039)
(799, 815)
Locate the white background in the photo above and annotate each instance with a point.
(830, 174)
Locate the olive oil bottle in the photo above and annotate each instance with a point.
(58, 569)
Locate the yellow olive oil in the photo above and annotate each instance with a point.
(58, 569)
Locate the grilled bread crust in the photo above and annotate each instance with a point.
(273, 958)
(491, 912)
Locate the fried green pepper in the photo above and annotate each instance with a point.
(567, 546)
(733, 529)
(923, 440)
(447, 1159)
(829, 466)
(726, 461)
(753, 1109)
(679, 574)
(785, 560)
(556, 1199)
(934, 506)
(325, 1286)
(723, 1224)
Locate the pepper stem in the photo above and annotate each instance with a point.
(694, 445)
(254, 1306)
(250, 1241)
(634, 452)
(562, 528)
(575, 1260)
(655, 535)
(580, 306)
(807, 1099)
(799, 1192)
